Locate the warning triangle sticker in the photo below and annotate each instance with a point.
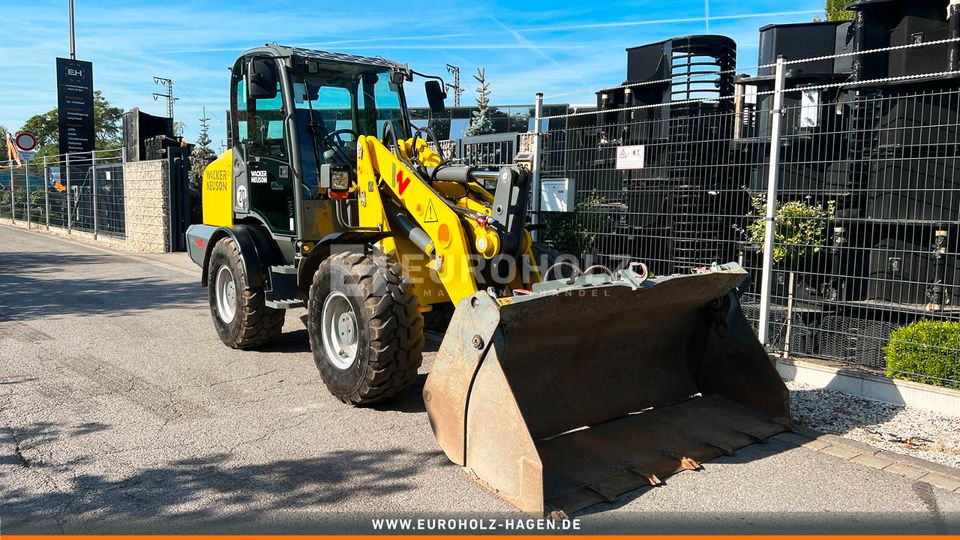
(430, 216)
(623, 152)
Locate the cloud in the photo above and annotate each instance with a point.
(713, 18)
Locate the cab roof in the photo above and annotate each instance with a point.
(282, 51)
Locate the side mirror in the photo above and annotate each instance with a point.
(262, 78)
(435, 96)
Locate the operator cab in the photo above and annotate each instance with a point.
(296, 111)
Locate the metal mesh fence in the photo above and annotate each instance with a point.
(75, 192)
(866, 214)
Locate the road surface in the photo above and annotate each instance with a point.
(122, 411)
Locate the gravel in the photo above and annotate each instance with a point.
(902, 430)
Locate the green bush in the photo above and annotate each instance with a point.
(927, 352)
(575, 232)
(799, 227)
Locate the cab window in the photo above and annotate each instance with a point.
(260, 123)
(331, 109)
(260, 126)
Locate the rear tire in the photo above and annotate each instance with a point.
(239, 311)
(365, 327)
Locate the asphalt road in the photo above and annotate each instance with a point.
(121, 411)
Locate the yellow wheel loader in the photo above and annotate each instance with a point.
(555, 392)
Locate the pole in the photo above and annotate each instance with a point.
(69, 209)
(457, 91)
(46, 192)
(537, 116)
(73, 42)
(788, 335)
(93, 175)
(13, 198)
(953, 16)
(773, 179)
(26, 185)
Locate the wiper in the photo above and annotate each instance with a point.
(318, 143)
(312, 130)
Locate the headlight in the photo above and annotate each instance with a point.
(340, 180)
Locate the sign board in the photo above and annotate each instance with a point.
(26, 156)
(75, 103)
(557, 195)
(630, 157)
(54, 175)
(25, 141)
(810, 109)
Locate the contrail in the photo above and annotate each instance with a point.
(323, 43)
(670, 21)
(539, 52)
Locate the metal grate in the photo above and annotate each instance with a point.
(867, 227)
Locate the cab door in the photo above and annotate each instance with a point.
(266, 189)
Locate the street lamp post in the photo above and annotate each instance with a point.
(73, 44)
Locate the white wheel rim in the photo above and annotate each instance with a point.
(339, 331)
(226, 291)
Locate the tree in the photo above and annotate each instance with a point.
(480, 119)
(836, 10)
(200, 157)
(202, 154)
(107, 127)
(3, 145)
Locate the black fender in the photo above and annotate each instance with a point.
(322, 250)
(258, 252)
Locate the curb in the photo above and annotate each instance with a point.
(859, 382)
(909, 467)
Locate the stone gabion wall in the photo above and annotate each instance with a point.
(147, 206)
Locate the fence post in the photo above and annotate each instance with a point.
(46, 192)
(69, 209)
(536, 180)
(13, 198)
(93, 176)
(26, 185)
(773, 178)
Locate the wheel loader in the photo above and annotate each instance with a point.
(555, 390)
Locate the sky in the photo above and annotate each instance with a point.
(565, 49)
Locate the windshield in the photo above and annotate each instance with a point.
(332, 111)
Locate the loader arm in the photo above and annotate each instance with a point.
(442, 233)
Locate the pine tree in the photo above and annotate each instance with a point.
(202, 154)
(480, 123)
(3, 145)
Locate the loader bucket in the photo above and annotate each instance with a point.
(584, 391)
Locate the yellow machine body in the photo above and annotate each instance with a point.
(216, 191)
(446, 273)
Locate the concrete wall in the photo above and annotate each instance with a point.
(856, 383)
(146, 199)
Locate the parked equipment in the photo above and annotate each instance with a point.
(542, 388)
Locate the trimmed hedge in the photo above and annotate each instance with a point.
(926, 352)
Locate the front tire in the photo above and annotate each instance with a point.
(239, 311)
(365, 327)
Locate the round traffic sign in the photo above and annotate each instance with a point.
(25, 141)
